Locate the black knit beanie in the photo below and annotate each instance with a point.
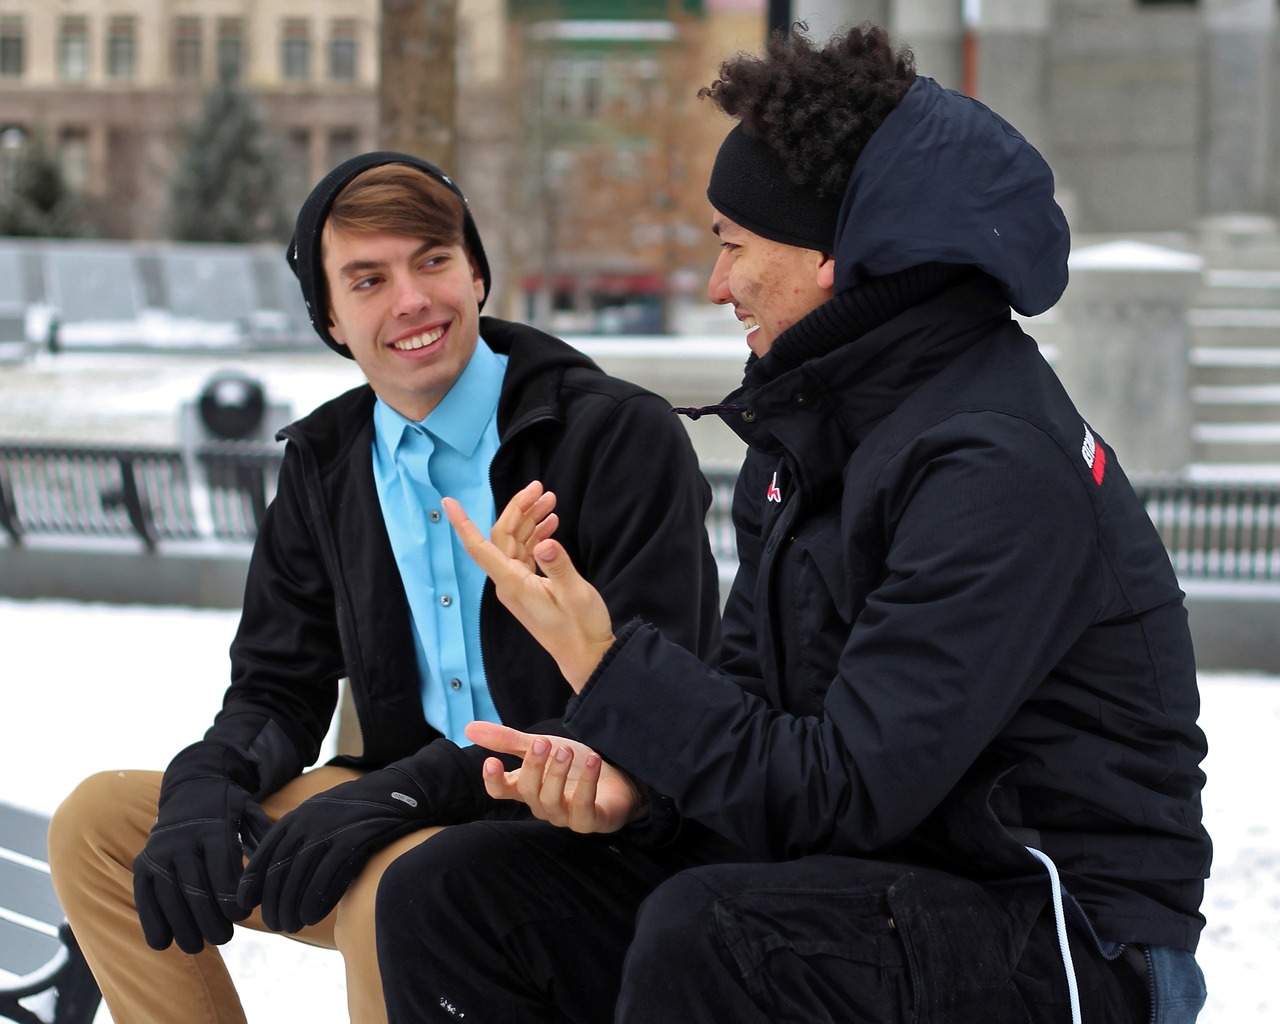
(304, 249)
(750, 185)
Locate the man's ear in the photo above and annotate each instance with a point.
(335, 332)
(827, 272)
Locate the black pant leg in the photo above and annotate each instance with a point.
(509, 922)
(851, 941)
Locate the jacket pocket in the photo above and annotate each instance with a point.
(810, 956)
(962, 943)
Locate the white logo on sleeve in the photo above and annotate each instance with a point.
(1095, 456)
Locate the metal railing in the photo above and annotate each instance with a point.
(1213, 530)
(1227, 531)
(1217, 531)
(155, 495)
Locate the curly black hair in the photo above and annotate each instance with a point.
(816, 106)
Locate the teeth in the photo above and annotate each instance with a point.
(749, 323)
(419, 340)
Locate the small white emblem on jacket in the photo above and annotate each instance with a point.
(1095, 456)
(774, 494)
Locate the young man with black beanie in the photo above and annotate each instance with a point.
(356, 574)
(952, 733)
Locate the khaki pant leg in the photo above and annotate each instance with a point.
(356, 935)
(351, 927)
(93, 839)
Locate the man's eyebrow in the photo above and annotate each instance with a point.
(360, 266)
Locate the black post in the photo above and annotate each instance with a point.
(780, 17)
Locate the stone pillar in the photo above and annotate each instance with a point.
(933, 30)
(827, 17)
(1012, 42)
(1125, 347)
(1238, 105)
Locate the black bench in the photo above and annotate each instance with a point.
(43, 976)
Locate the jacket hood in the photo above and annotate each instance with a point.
(946, 180)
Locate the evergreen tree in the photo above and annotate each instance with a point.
(35, 200)
(226, 186)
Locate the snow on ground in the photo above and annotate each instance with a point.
(92, 687)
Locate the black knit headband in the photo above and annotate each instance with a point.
(749, 185)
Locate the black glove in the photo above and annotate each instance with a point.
(184, 880)
(311, 856)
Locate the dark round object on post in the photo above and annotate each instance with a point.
(232, 405)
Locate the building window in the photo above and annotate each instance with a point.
(296, 54)
(297, 166)
(73, 49)
(122, 48)
(576, 88)
(342, 50)
(188, 44)
(12, 46)
(230, 49)
(73, 158)
(342, 145)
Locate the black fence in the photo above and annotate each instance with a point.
(153, 495)
(1213, 530)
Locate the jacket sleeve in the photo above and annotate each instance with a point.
(989, 573)
(285, 658)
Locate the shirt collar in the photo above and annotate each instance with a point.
(462, 415)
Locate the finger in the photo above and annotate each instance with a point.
(519, 525)
(501, 738)
(485, 554)
(582, 803)
(544, 530)
(155, 925)
(554, 781)
(500, 784)
(529, 784)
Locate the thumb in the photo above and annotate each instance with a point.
(553, 560)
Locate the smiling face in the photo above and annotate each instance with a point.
(770, 285)
(408, 310)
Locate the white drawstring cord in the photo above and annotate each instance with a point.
(1060, 918)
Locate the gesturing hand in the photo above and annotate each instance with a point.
(560, 609)
(561, 780)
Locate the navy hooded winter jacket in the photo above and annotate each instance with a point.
(955, 632)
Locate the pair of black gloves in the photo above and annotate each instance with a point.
(190, 882)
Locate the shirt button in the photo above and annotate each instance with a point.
(456, 683)
(434, 516)
(446, 600)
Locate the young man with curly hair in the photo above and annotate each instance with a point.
(952, 733)
(356, 574)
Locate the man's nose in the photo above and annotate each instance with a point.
(410, 298)
(718, 283)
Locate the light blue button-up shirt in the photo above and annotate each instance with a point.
(414, 465)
